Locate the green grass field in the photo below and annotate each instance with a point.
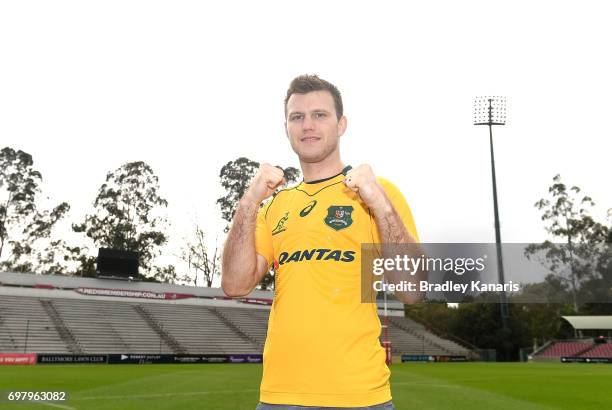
(420, 386)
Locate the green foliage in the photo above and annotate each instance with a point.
(127, 214)
(23, 224)
(235, 178)
(480, 325)
(165, 274)
(585, 249)
(19, 184)
(85, 263)
(582, 260)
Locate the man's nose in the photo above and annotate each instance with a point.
(307, 123)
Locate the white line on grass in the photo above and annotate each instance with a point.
(157, 395)
(59, 406)
(455, 386)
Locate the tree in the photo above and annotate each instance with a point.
(22, 222)
(80, 257)
(199, 258)
(580, 255)
(128, 214)
(235, 179)
(165, 274)
(19, 182)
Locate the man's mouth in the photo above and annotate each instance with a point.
(308, 139)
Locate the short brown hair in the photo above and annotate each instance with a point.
(307, 83)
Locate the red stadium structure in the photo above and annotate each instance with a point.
(595, 346)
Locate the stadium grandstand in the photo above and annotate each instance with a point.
(74, 315)
(596, 346)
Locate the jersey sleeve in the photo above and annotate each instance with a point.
(401, 207)
(263, 235)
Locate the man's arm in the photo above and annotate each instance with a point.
(390, 226)
(392, 230)
(242, 268)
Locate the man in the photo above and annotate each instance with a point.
(322, 348)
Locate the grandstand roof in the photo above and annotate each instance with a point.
(16, 280)
(590, 322)
(73, 282)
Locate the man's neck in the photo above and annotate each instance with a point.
(320, 170)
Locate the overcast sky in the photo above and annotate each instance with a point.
(187, 86)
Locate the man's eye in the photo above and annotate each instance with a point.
(295, 117)
(320, 115)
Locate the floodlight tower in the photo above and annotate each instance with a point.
(492, 111)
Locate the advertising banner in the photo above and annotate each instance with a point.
(9, 359)
(182, 358)
(143, 294)
(72, 358)
(136, 358)
(432, 358)
(586, 359)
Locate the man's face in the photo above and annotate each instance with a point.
(312, 126)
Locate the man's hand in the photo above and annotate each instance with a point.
(363, 181)
(264, 183)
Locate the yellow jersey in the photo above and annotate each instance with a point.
(322, 346)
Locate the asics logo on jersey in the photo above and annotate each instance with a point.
(308, 208)
(317, 254)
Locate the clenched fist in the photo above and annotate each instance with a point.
(363, 181)
(264, 183)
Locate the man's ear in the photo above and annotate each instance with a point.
(342, 123)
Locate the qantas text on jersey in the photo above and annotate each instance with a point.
(317, 254)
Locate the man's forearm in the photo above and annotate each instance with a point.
(390, 226)
(239, 256)
(392, 230)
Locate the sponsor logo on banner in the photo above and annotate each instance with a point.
(569, 359)
(182, 358)
(214, 359)
(133, 293)
(256, 301)
(246, 358)
(139, 358)
(432, 358)
(201, 358)
(10, 359)
(72, 359)
(127, 358)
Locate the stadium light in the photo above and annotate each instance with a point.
(491, 111)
